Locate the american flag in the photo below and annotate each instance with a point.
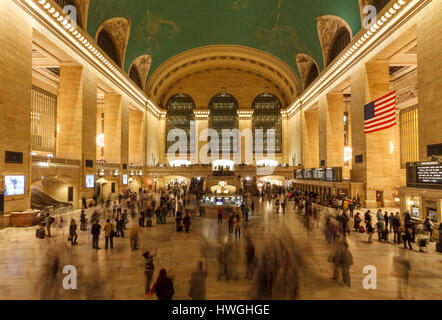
(380, 114)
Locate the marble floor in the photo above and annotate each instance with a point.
(26, 262)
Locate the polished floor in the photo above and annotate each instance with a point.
(26, 262)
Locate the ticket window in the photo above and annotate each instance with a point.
(432, 211)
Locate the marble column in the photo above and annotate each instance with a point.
(15, 98)
(136, 123)
(77, 120)
(429, 66)
(380, 167)
(311, 138)
(331, 130)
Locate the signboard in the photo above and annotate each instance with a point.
(320, 174)
(90, 181)
(424, 175)
(14, 185)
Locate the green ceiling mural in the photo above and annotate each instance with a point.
(165, 28)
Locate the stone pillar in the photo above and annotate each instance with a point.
(161, 133)
(136, 123)
(151, 139)
(202, 124)
(296, 132)
(311, 139)
(77, 120)
(242, 125)
(331, 130)
(113, 116)
(429, 52)
(15, 98)
(380, 167)
(285, 141)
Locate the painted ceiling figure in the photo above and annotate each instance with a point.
(240, 5)
(153, 26)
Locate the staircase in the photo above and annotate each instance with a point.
(40, 200)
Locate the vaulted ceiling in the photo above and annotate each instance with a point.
(163, 29)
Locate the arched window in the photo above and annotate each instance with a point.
(135, 76)
(179, 116)
(267, 116)
(64, 3)
(380, 4)
(107, 44)
(312, 75)
(341, 40)
(224, 115)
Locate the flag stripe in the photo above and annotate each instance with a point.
(386, 96)
(383, 122)
(389, 115)
(392, 125)
(380, 114)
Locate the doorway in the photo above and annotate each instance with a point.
(380, 198)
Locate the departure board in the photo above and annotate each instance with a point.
(429, 174)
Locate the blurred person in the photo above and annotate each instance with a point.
(251, 260)
(133, 234)
(187, 221)
(237, 222)
(163, 286)
(95, 231)
(370, 231)
(428, 227)
(397, 228)
(346, 263)
(230, 222)
(407, 237)
(109, 233)
(197, 281)
(401, 271)
(149, 268)
(73, 232)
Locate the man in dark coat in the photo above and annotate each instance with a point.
(198, 283)
(95, 231)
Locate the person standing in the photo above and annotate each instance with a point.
(197, 281)
(397, 228)
(219, 212)
(187, 221)
(250, 258)
(346, 263)
(252, 206)
(386, 219)
(134, 236)
(109, 233)
(95, 231)
(163, 287)
(351, 208)
(51, 221)
(149, 268)
(367, 218)
(401, 271)
(230, 222)
(428, 227)
(73, 232)
(370, 231)
(237, 222)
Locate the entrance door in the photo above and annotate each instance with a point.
(380, 198)
(2, 202)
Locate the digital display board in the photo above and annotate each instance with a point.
(320, 174)
(14, 185)
(125, 179)
(90, 181)
(429, 174)
(424, 175)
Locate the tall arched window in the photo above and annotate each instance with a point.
(64, 3)
(312, 74)
(107, 44)
(224, 115)
(179, 116)
(267, 116)
(135, 76)
(341, 40)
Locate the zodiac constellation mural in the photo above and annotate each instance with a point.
(272, 33)
(152, 28)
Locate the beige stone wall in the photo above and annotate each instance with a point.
(429, 53)
(136, 122)
(311, 138)
(331, 129)
(152, 143)
(202, 87)
(15, 97)
(112, 128)
(380, 169)
(295, 139)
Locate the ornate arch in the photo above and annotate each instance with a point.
(328, 26)
(305, 65)
(119, 30)
(223, 56)
(142, 63)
